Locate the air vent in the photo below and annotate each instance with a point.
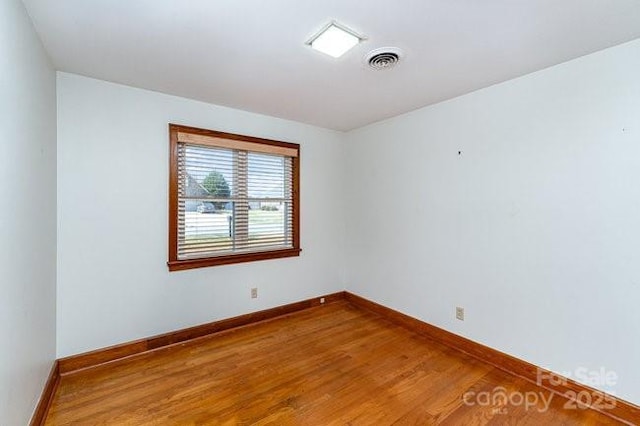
(383, 58)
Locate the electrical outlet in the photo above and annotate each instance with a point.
(459, 313)
(321, 300)
(254, 293)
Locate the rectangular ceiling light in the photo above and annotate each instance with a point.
(334, 40)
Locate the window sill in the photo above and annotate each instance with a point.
(180, 265)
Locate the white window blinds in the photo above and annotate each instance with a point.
(232, 200)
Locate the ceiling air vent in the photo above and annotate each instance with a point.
(383, 58)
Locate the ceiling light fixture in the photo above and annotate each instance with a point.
(334, 40)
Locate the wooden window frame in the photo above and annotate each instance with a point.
(176, 264)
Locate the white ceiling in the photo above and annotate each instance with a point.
(251, 54)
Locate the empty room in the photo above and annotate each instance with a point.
(410, 212)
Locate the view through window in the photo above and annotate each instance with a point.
(234, 198)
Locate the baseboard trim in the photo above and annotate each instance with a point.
(97, 357)
(622, 410)
(46, 398)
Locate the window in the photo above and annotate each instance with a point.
(232, 198)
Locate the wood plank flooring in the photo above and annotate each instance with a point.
(329, 365)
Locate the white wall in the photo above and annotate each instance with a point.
(113, 282)
(534, 229)
(27, 216)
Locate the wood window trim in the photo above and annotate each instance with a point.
(177, 131)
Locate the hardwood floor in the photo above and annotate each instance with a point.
(333, 364)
